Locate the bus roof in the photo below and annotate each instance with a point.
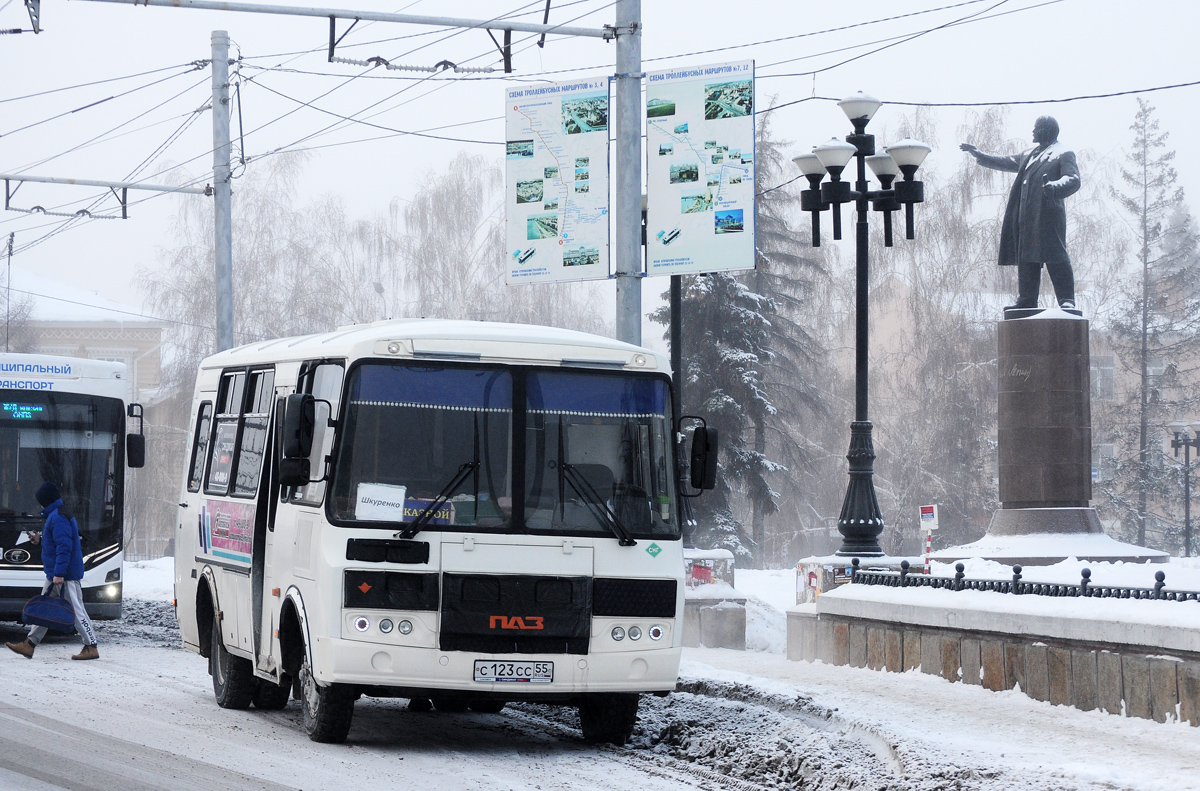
(52, 373)
(446, 339)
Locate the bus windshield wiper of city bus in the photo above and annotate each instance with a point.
(443, 497)
(596, 504)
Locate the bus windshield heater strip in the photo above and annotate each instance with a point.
(575, 413)
(448, 408)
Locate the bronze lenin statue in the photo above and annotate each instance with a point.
(1035, 221)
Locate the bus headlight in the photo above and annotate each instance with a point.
(113, 576)
(635, 633)
(656, 632)
(385, 626)
(405, 627)
(362, 624)
(618, 633)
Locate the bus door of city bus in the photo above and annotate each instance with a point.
(280, 542)
(263, 562)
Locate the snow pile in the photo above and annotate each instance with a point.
(776, 587)
(153, 580)
(1049, 545)
(766, 627)
(1181, 573)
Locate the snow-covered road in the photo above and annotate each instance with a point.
(143, 717)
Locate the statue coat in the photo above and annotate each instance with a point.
(1035, 221)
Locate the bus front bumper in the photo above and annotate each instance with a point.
(352, 662)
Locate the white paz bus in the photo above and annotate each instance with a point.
(62, 419)
(462, 513)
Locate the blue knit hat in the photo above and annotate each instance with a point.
(47, 493)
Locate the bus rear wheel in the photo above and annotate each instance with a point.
(327, 710)
(270, 696)
(233, 677)
(608, 718)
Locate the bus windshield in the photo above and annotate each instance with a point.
(73, 440)
(436, 445)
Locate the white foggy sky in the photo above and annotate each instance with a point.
(1053, 49)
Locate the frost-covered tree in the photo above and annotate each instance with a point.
(1155, 335)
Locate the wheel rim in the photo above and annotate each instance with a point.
(219, 659)
(308, 689)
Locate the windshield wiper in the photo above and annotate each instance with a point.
(443, 497)
(596, 504)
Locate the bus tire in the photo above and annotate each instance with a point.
(608, 718)
(327, 710)
(270, 696)
(232, 677)
(487, 706)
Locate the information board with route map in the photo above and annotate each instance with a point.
(700, 169)
(556, 182)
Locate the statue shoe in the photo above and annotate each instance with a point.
(1067, 304)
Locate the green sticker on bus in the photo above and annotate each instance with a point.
(654, 549)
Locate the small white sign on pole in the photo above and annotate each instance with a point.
(929, 517)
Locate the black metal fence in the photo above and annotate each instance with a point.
(905, 578)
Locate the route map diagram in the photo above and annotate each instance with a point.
(556, 182)
(700, 169)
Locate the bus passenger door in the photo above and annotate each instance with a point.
(266, 561)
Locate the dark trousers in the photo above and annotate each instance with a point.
(1029, 279)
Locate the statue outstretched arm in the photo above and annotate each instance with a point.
(1067, 183)
(1010, 164)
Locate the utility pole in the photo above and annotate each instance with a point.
(8, 305)
(628, 126)
(222, 190)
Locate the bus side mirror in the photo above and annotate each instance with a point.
(135, 450)
(294, 471)
(704, 458)
(299, 425)
(135, 444)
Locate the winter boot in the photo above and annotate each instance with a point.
(24, 648)
(88, 652)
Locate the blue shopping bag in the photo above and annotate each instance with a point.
(53, 612)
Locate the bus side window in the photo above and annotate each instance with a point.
(324, 381)
(200, 446)
(221, 454)
(260, 396)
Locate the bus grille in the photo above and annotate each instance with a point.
(515, 614)
(631, 598)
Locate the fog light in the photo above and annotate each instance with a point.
(618, 633)
(362, 624)
(111, 591)
(385, 626)
(656, 632)
(405, 627)
(635, 633)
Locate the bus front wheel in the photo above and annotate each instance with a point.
(232, 676)
(327, 710)
(608, 717)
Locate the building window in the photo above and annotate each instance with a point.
(1103, 378)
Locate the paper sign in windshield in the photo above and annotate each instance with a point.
(380, 502)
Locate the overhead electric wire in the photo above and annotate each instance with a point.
(96, 103)
(111, 309)
(97, 82)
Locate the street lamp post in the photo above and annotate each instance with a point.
(860, 521)
(1183, 440)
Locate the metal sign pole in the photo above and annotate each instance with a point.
(222, 190)
(628, 125)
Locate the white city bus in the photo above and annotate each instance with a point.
(62, 419)
(458, 513)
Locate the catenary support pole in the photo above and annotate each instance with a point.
(222, 190)
(628, 128)
(8, 301)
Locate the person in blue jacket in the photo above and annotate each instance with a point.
(62, 561)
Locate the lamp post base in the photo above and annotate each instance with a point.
(860, 522)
